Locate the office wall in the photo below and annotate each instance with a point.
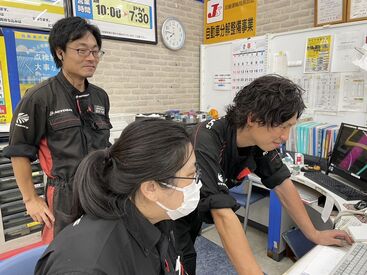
(284, 15)
(150, 78)
(146, 78)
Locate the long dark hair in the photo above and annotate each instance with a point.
(270, 100)
(149, 149)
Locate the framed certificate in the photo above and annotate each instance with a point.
(34, 14)
(357, 10)
(330, 12)
(133, 20)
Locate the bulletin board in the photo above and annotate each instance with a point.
(329, 93)
(286, 54)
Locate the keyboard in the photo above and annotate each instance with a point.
(354, 262)
(341, 189)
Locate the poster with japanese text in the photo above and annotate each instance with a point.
(133, 20)
(34, 60)
(5, 103)
(39, 14)
(318, 54)
(226, 20)
(31, 60)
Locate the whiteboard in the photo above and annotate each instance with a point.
(217, 58)
(293, 44)
(214, 59)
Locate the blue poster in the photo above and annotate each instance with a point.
(34, 60)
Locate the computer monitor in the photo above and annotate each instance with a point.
(349, 156)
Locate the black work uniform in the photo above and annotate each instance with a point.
(59, 125)
(223, 166)
(129, 245)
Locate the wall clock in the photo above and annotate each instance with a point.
(173, 34)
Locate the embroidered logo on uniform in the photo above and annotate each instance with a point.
(22, 118)
(77, 221)
(221, 181)
(99, 109)
(60, 111)
(210, 124)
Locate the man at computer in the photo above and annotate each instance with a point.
(228, 149)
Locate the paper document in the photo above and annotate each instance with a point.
(353, 96)
(344, 52)
(326, 212)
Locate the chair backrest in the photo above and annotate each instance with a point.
(22, 263)
(239, 189)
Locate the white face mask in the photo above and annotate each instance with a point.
(190, 201)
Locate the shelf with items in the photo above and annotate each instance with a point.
(17, 229)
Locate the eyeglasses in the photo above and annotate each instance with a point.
(196, 178)
(87, 52)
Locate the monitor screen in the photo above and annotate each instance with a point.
(349, 157)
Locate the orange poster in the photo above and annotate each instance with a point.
(226, 20)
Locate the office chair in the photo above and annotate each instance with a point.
(243, 199)
(22, 263)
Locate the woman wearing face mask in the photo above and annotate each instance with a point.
(123, 199)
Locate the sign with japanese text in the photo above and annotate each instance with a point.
(5, 103)
(227, 20)
(129, 20)
(40, 14)
(34, 60)
(318, 54)
(31, 62)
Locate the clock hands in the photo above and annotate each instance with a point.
(171, 33)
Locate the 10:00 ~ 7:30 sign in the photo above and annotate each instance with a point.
(125, 13)
(122, 19)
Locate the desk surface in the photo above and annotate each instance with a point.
(321, 259)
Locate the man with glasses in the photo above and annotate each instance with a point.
(59, 121)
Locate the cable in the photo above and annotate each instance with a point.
(362, 212)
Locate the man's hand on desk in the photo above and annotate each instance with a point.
(332, 237)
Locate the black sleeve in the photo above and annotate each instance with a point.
(270, 168)
(214, 192)
(27, 128)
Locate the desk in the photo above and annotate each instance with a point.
(314, 262)
(279, 221)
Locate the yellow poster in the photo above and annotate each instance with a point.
(5, 101)
(318, 54)
(226, 20)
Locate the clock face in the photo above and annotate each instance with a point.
(173, 34)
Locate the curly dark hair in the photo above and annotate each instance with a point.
(270, 100)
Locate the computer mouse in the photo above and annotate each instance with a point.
(360, 205)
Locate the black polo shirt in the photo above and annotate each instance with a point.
(130, 245)
(224, 165)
